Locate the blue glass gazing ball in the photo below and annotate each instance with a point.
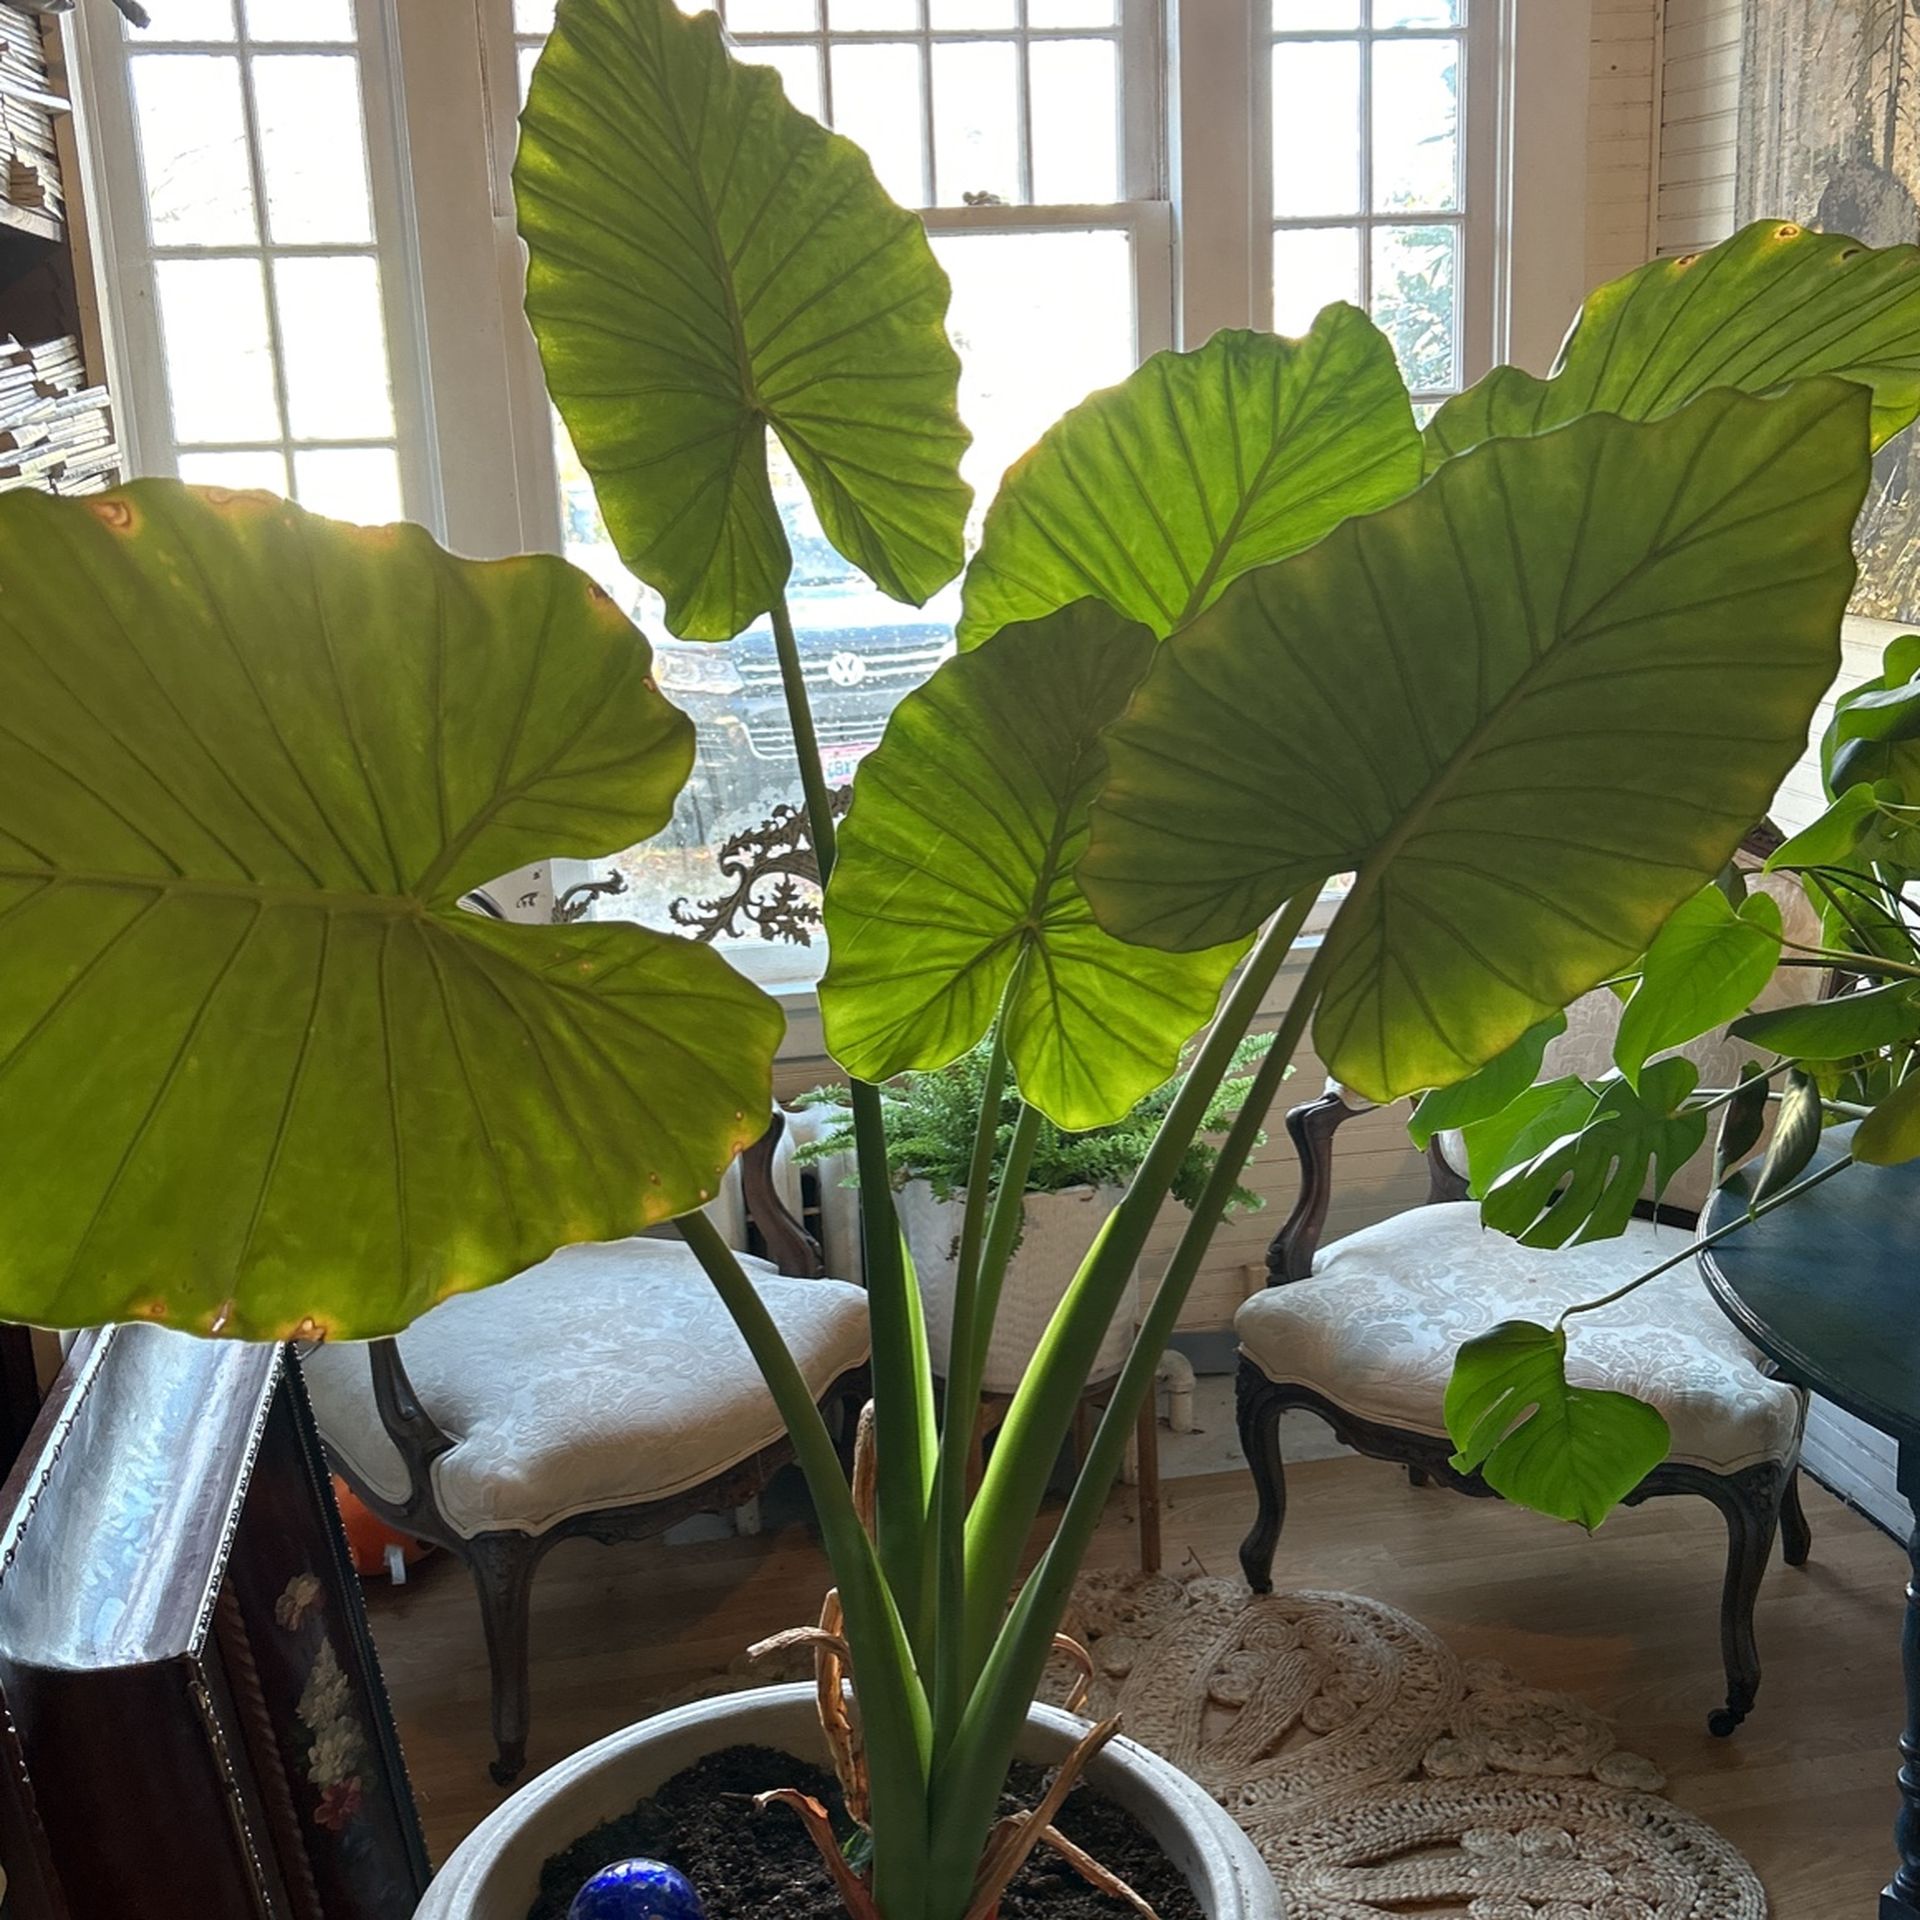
(637, 1890)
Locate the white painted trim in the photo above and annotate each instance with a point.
(1542, 67)
(1219, 183)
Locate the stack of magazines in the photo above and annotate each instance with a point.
(29, 160)
(56, 432)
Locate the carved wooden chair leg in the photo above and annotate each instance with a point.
(1796, 1532)
(503, 1565)
(1751, 1504)
(1260, 1410)
(1149, 1488)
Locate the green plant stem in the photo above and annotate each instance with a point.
(893, 1707)
(1712, 1239)
(905, 1439)
(958, 1418)
(1003, 1235)
(970, 1785)
(806, 740)
(1042, 1411)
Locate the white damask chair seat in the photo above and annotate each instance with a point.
(607, 1376)
(1375, 1328)
(605, 1392)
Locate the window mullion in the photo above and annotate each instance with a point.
(257, 175)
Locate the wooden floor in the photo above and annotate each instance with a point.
(1627, 1621)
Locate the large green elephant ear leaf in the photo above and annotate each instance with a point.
(956, 865)
(259, 1071)
(1532, 708)
(1775, 303)
(1156, 494)
(706, 261)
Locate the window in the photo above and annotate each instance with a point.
(1370, 177)
(1007, 124)
(310, 210)
(254, 283)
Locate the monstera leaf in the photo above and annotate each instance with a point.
(706, 261)
(1572, 1452)
(1157, 493)
(956, 866)
(1583, 1186)
(259, 1071)
(1774, 304)
(1532, 708)
(1490, 1091)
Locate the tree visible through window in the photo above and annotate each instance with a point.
(1369, 198)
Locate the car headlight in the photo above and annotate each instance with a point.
(700, 667)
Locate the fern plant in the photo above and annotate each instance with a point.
(931, 1120)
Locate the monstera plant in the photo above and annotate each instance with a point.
(1234, 628)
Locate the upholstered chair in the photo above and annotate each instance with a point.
(604, 1392)
(1363, 1333)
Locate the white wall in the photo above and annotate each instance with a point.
(1621, 145)
(1699, 123)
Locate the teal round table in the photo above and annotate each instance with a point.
(1828, 1287)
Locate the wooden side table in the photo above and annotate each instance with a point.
(1829, 1289)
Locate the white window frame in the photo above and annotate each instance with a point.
(130, 254)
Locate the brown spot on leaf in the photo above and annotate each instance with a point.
(1786, 231)
(113, 512)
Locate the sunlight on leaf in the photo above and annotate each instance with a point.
(258, 1067)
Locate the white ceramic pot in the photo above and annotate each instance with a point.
(1060, 1227)
(495, 1873)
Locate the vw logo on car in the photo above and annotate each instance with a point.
(846, 669)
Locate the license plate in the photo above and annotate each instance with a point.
(838, 763)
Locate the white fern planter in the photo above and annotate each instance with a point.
(1060, 1228)
(495, 1872)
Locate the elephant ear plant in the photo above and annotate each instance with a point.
(1235, 628)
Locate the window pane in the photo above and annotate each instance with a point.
(871, 16)
(334, 343)
(192, 20)
(1312, 266)
(876, 101)
(349, 483)
(1419, 13)
(300, 20)
(1309, 16)
(797, 66)
(773, 16)
(1416, 142)
(976, 121)
(1316, 128)
(961, 16)
(529, 59)
(213, 321)
(312, 148)
(533, 16)
(266, 471)
(1039, 320)
(1076, 121)
(1416, 302)
(193, 148)
(1070, 13)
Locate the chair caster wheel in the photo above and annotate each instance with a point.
(505, 1772)
(1723, 1721)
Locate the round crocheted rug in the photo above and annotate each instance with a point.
(1381, 1776)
